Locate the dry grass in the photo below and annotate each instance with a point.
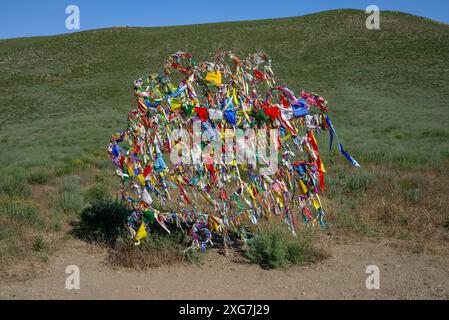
(151, 253)
(387, 76)
(275, 247)
(408, 207)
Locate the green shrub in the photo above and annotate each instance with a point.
(7, 232)
(70, 199)
(99, 178)
(55, 222)
(71, 166)
(194, 256)
(11, 249)
(410, 182)
(403, 217)
(14, 186)
(40, 176)
(19, 210)
(64, 169)
(70, 184)
(38, 244)
(96, 193)
(298, 250)
(103, 221)
(414, 195)
(275, 247)
(343, 182)
(103, 163)
(268, 248)
(359, 181)
(70, 202)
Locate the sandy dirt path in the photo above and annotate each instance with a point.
(403, 275)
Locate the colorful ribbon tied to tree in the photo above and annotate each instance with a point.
(225, 149)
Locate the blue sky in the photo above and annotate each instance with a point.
(25, 18)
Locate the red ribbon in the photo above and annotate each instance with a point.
(202, 113)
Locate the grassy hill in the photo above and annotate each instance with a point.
(61, 97)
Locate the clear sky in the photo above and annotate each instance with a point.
(25, 18)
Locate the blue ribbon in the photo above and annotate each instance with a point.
(332, 132)
(174, 94)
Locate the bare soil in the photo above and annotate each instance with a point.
(403, 275)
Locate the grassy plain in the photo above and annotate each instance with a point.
(61, 98)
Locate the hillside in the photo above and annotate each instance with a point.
(61, 98)
(74, 89)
